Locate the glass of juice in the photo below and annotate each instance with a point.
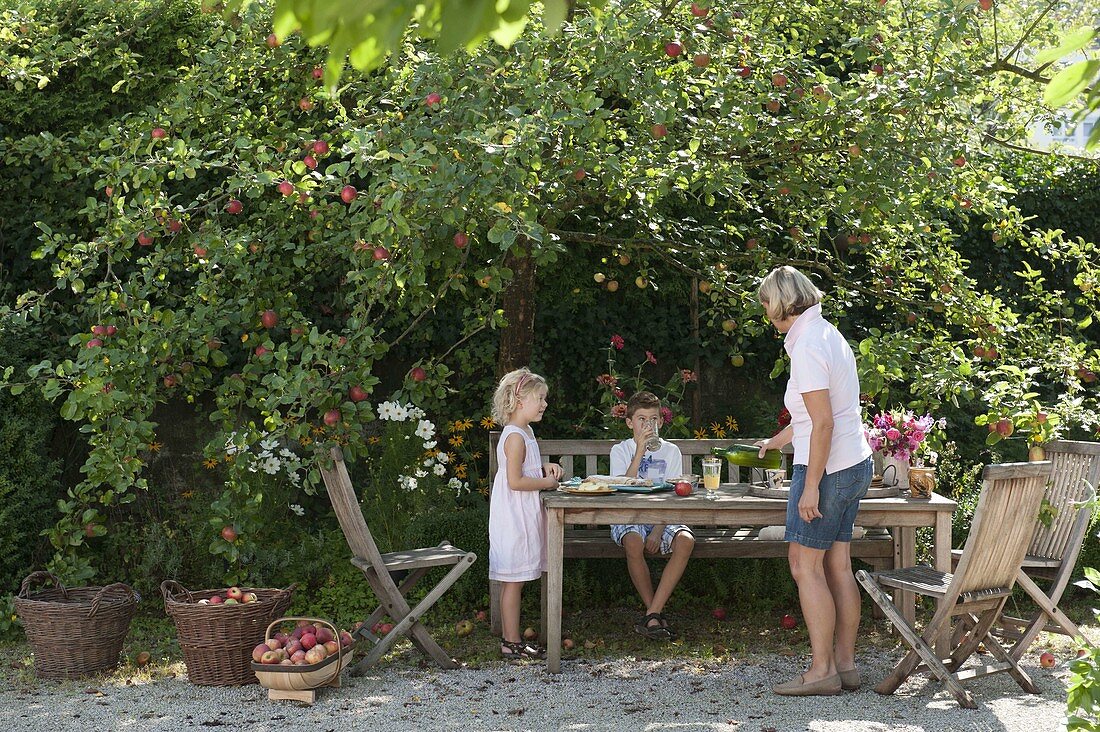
(712, 476)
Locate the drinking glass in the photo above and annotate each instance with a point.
(653, 444)
(712, 475)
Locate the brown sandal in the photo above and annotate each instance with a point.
(517, 651)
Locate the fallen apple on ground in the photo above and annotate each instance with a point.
(1047, 660)
(463, 628)
(788, 622)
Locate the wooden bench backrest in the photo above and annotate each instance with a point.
(1073, 463)
(592, 457)
(1004, 522)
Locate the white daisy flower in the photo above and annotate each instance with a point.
(387, 411)
(415, 412)
(442, 457)
(270, 466)
(269, 445)
(429, 445)
(425, 429)
(297, 509)
(439, 470)
(421, 473)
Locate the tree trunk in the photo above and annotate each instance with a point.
(518, 303)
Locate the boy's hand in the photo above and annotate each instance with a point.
(653, 541)
(642, 431)
(553, 470)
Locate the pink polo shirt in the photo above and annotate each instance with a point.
(822, 359)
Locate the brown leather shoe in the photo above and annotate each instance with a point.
(829, 686)
(849, 680)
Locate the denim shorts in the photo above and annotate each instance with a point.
(838, 502)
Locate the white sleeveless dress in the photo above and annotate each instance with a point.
(517, 521)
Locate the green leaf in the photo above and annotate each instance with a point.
(554, 13)
(1072, 41)
(1069, 82)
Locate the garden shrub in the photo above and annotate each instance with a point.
(29, 476)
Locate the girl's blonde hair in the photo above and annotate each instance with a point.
(786, 292)
(512, 387)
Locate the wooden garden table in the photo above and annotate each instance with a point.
(733, 507)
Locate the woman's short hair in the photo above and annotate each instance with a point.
(786, 292)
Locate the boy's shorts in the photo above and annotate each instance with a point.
(671, 530)
(838, 501)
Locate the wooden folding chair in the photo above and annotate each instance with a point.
(1054, 549)
(376, 567)
(1003, 525)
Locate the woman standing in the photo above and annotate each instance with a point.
(832, 471)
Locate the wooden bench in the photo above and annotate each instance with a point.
(877, 547)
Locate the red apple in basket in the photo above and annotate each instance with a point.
(309, 641)
(292, 646)
(346, 640)
(298, 657)
(324, 635)
(249, 597)
(331, 647)
(259, 651)
(683, 488)
(286, 662)
(217, 600)
(230, 601)
(274, 644)
(315, 655)
(234, 593)
(271, 657)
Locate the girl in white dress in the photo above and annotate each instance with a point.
(517, 521)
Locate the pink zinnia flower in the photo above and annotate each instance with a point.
(619, 393)
(650, 357)
(619, 410)
(618, 342)
(687, 375)
(666, 415)
(606, 380)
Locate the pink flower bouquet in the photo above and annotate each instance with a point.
(901, 434)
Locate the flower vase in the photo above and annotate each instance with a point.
(899, 475)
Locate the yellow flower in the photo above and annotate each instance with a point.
(476, 456)
(462, 425)
(228, 458)
(210, 463)
(154, 446)
(488, 423)
(731, 424)
(305, 441)
(701, 434)
(373, 440)
(187, 494)
(452, 458)
(456, 441)
(318, 429)
(460, 471)
(717, 429)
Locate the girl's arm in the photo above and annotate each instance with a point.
(515, 451)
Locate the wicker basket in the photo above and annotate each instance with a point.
(217, 640)
(74, 631)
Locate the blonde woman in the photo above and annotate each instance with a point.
(831, 473)
(517, 521)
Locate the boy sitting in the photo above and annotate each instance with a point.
(631, 458)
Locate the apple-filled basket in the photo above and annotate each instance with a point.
(311, 656)
(74, 631)
(217, 639)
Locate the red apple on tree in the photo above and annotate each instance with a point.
(702, 60)
(418, 374)
(960, 161)
(745, 72)
(673, 49)
(357, 394)
(461, 240)
(175, 227)
(286, 188)
(347, 195)
(332, 417)
(1004, 427)
(432, 99)
(234, 206)
(261, 351)
(579, 174)
(158, 133)
(658, 131)
(318, 72)
(305, 104)
(699, 11)
(272, 40)
(380, 253)
(877, 69)
(310, 162)
(320, 147)
(985, 4)
(144, 239)
(269, 318)
(779, 80)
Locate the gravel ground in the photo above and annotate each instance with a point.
(620, 694)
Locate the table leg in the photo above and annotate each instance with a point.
(907, 548)
(555, 530)
(941, 542)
